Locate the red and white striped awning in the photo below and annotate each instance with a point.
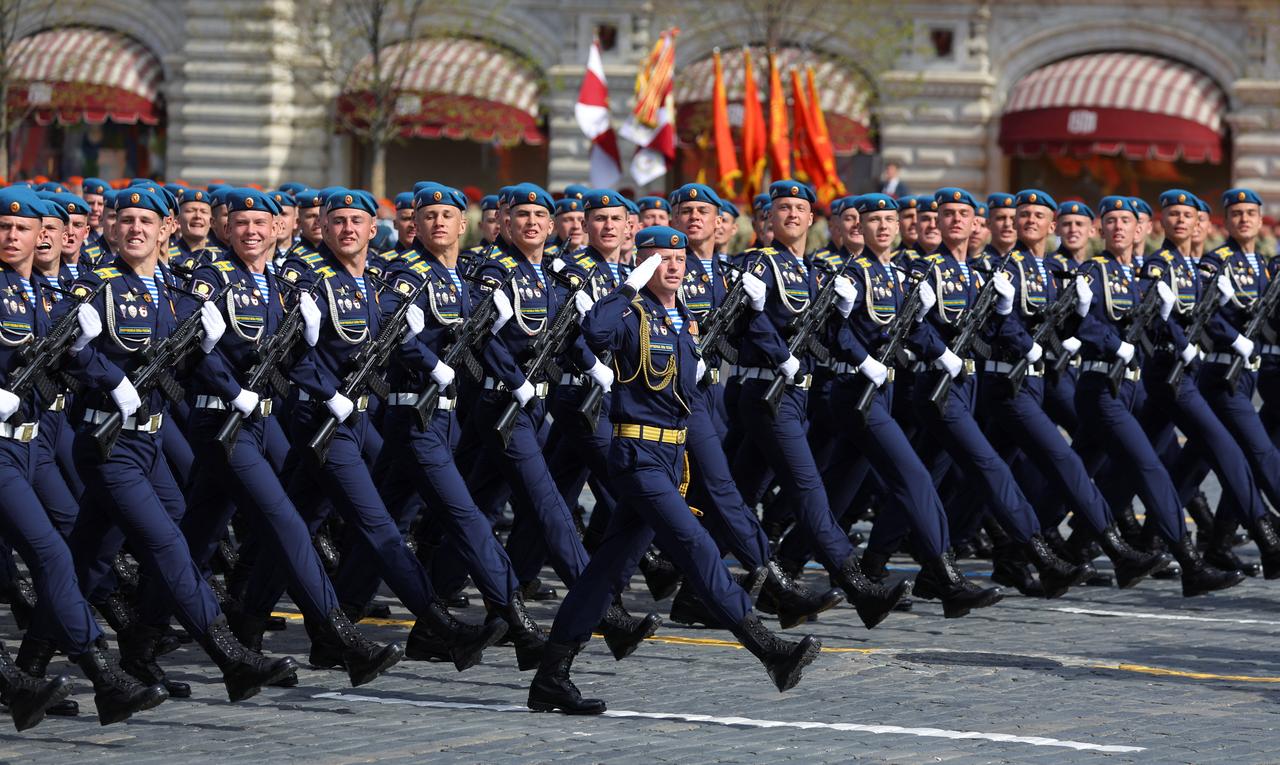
(80, 74)
(452, 87)
(844, 98)
(1142, 106)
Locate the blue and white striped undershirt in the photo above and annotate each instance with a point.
(26, 289)
(453, 277)
(615, 270)
(262, 282)
(74, 268)
(360, 285)
(150, 283)
(677, 321)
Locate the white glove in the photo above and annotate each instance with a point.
(1243, 346)
(583, 302)
(90, 326)
(1004, 291)
(846, 295)
(1166, 300)
(643, 272)
(501, 304)
(1190, 353)
(126, 398)
(245, 402)
(755, 289)
(701, 371)
(1226, 290)
(1071, 345)
(874, 371)
(601, 374)
(9, 404)
(1084, 296)
(951, 363)
(415, 321)
(928, 299)
(789, 367)
(214, 325)
(1035, 353)
(310, 319)
(525, 393)
(1125, 352)
(442, 374)
(340, 406)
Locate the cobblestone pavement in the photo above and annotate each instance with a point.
(1100, 675)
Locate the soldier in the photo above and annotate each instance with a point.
(654, 355)
(1001, 222)
(1074, 227)
(94, 190)
(908, 208)
(195, 215)
(654, 211)
(761, 224)
(403, 222)
(566, 231)
(981, 233)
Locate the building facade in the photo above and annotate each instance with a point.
(1082, 96)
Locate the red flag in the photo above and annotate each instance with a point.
(822, 140)
(753, 131)
(592, 112)
(779, 142)
(726, 157)
(652, 123)
(805, 165)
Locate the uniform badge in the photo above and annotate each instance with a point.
(133, 311)
(142, 311)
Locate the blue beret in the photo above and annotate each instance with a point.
(1141, 207)
(405, 200)
(73, 204)
(694, 192)
(530, 194)
(438, 194)
(218, 196)
(980, 210)
(94, 186)
(250, 200)
(22, 202)
(174, 189)
(908, 203)
(141, 182)
(730, 208)
(838, 206)
(632, 207)
(761, 202)
(575, 191)
(215, 187)
(489, 202)
(599, 199)
(869, 203)
(51, 208)
(141, 198)
(282, 199)
(292, 187)
(568, 205)
(1174, 197)
(926, 203)
(1116, 203)
(1035, 197)
(1240, 196)
(307, 198)
(953, 195)
(51, 186)
(1001, 200)
(504, 195)
(788, 187)
(355, 199)
(661, 237)
(654, 203)
(1202, 206)
(108, 198)
(1075, 208)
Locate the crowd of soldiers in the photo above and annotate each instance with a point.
(210, 397)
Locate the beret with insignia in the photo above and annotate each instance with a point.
(1141, 207)
(1075, 208)
(140, 198)
(568, 205)
(1001, 200)
(981, 210)
(1035, 197)
(353, 199)
(531, 194)
(575, 191)
(761, 203)
(73, 204)
(292, 187)
(653, 203)
(660, 237)
(404, 200)
(869, 203)
(431, 193)
(694, 192)
(1240, 196)
(599, 199)
(489, 202)
(1174, 197)
(788, 188)
(51, 208)
(954, 196)
(283, 199)
(250, 200)
(94, 186)
(307, 198)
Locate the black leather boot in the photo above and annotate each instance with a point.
(138, 658)
(875, 565)
(1219, 551)
(872, 601)
(660, 575)
(116, 695)
(624, 633)
(1010, 568)
(782, 659)
(21, 596)
(1131, 565)
(1198, 577)
(941, 579)
(1129, 527)
(437, 636)
(33, 658)
(327, 550)
(1202, 515)
(534, 589)
(1263, 532)
(28, 698)
(244, 671)
(687, 608)
(1056, 575)
(116, 610)
(553, 691)
(792, 601)
(126, 572)
(525, 634)
(337, 644)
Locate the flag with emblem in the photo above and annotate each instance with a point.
(651, 126)
(779, 140)
(726, 156)
(821, 139)
(592, 112)
(804, 163)
(753, 131)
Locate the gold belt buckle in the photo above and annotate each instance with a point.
(59, 403)
(265, 406)
(889, 375)
(969, 366)
(26, 431)
(713, 375)
(681, 436)
(153, 423)
(540, 390)
(362, 403)
(1255, 364)
(804, 382)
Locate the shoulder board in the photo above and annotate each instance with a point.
(862, 262)
(1223, 252)
(107, 273)
(326, 272)
(311, 257)
(1166, 255)
(821, 252)
(223, 265)
(391, 254)
(1098, 259)
(419, 267)
(506, 261)
(934, 258)
(767, 251)
(1016, 256)
(585, 262)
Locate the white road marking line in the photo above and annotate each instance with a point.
(1162, 617)
(748, 722)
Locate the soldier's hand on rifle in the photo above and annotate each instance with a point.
(873, 370)
(1125, 352)
(1190, 353)
(442, 374)
(501, 305)
(643, 272)
(1035, 353)
(90, 326)
(415, 321)
(928, 299)
(1084, 296)
(755, 289)
(340, 407)
(583, 302)
(1004, 293)
(9, 404)
(1166, 300)
(1243, 346)
(245, 402)
(602, 375)
(126, 398)
(789, 367)
(214, 325)
(1071, 345)
(525, 393)
(846, 295)
(1226, 290)
(310, 319)
(951, 363)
